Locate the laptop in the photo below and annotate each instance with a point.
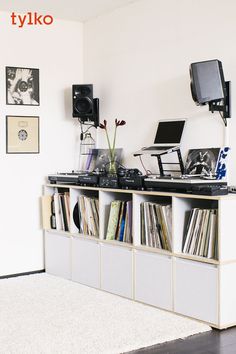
(168, 137)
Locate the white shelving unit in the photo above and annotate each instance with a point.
(193, 286)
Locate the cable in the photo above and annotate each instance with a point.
(221, 113)
(148, 172)
(91, 126)
(81, 128)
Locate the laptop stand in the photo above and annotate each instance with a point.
(161, 163)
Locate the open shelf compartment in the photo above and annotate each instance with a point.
(85, 212)
(105, 200)
(138, 200)
(204, 228)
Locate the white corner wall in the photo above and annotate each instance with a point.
(57, 50)
(138, 58)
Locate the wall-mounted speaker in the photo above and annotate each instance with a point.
(207, 81)
(83, 102)
(85, 107)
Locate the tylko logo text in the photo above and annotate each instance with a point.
(30, 19)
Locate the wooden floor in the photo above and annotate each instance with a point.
(213, 342)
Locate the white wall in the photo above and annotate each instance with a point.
(138, 58)
(57, 51)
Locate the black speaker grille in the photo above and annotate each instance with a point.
(84, 90)
(83, 105)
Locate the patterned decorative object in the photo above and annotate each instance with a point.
(221, 167)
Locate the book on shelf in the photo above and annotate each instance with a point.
(123, 218)
(113, 219)
(83, 226)
(64, 220)
(95, 212)
(155, 225)
(211, 251)
(88, 216)
(46, 201)
(60, 218)
(128, 224)
(67, 208)
(200, 236)
(57, 211)
(194, 240)
(53, 216)
(120, 221)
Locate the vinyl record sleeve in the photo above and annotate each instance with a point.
(22, 134)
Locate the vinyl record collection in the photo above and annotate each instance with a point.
(120, 221)
(60, 211)
(201, 233)
(87, 218)
(156, 225)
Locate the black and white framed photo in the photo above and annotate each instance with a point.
(22, 135)
(202, 161)
(22, 86)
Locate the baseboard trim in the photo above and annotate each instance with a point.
(22, 274)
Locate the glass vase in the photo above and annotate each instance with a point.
(112, 167)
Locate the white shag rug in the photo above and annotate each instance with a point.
(43, 314)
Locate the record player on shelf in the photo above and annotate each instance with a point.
(77, 178)
(84, 178)
(63, 177)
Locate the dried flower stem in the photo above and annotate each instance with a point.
(112, 147)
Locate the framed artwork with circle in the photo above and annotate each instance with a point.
(22, 134)
(22, 86)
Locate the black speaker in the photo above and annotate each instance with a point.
(207, 81)
(83, 105)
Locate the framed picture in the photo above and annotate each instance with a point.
(103, 158)
(202, 161)
(22, 86)
(22, 135)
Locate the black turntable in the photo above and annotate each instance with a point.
(64, 177)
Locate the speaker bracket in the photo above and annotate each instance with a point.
(225, 108)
